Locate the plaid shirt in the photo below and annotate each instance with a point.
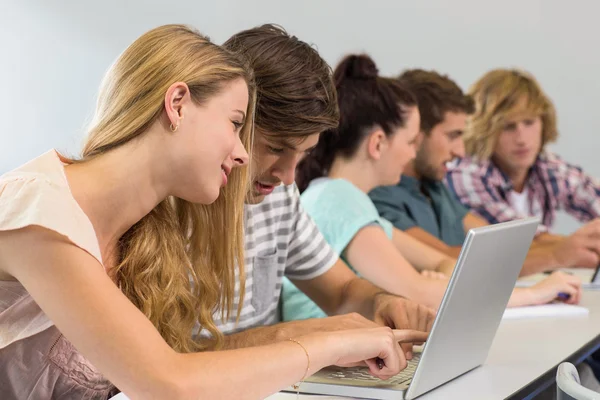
(552, 184)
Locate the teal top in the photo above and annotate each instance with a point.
(439, 212)
(340, 210)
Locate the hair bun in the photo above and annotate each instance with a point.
(358, 66)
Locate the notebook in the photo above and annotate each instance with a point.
(544, 311)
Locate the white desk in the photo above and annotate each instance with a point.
(523, 351)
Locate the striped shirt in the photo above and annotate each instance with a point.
(552, 184)
(281, 240)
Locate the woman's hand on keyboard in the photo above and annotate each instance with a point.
(376, 347)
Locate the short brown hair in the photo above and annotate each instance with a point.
(436, 94)
(496, 95)
(296, 96)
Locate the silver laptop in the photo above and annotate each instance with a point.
(466, 323)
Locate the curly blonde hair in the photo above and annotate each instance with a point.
(178, 263)
(498, 95)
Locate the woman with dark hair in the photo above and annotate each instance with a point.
(375, 140)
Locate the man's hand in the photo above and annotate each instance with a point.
(399, 313)
(581, 249)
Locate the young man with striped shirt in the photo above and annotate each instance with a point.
(296, 102)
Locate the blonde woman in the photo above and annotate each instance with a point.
(101, 249)
(508, 172)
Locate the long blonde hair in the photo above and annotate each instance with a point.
(177, 264)
(497, 95)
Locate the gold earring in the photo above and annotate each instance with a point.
(174, 128)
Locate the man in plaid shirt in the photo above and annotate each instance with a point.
(551, 184)
(508, 174)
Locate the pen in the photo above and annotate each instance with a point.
(563, 296)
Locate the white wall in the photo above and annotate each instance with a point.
(54, 53)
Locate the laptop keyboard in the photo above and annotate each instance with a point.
(361, 374)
